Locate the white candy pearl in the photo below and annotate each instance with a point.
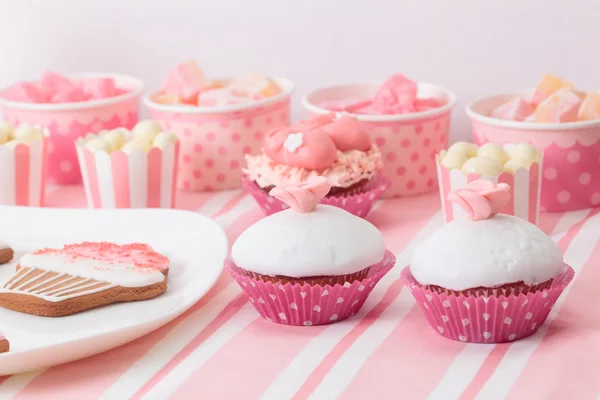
(98, 144)
(12, 143)
(26, 133)
(483, 166)
(454, 160)
(4, 136)
(524, 151)
(146, 130)
(6, 130)
(163, 139)
(136, 144)
(116, 138)
(514, 164)
(493, 150)
(468, 149)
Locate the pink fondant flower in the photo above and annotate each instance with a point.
(481, 199)
(303, 197)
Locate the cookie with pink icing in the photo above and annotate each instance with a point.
(78, 277)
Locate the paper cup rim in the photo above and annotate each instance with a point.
(435, 112)
(471, 110)
(136, 89)
(286, 84)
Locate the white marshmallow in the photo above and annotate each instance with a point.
(6, 130)
(468, 149)
(98, 144)
(524, 151)
(514, 164)
(12, 143)
(116, 138)
(454, 160)
(26, 133)
(493, 150)
(483, 166)
(163, 139)
(147, 130)
(136, 145)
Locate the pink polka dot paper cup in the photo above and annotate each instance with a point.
(214, 140)
(487, 315)
(309, 303)
(408, 142)
(571, 170)
(66, 122)
(359, 204)
(137, 179)
(23, 174)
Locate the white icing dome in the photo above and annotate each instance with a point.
(324, 242)
(500, 250)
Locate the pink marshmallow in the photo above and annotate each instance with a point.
(561, 106)
(99, 88)
(27, 92)
(397, 89)
(71, 94)
(186, 80)
(220, 97)
(427, 103)
(52, 82)
(515, 110)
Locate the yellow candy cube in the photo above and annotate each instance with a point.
(547, 86)
(590, 108)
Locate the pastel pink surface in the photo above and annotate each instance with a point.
(481, 199)
(213, 145)
(357, 204)
(493, 319)
(306, 305)
(304, 197)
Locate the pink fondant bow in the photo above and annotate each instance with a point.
(304, 197)
(481, 199)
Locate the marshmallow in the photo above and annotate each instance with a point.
(6, 130)
(136, 145)
(4, 136)
(26, 133)
(547, 86)
(99, 88)
(186, 80)
(493, 150)
(514, 164)
(168, 98)
(254, 85)
(68, 94)
(26, 92)
(115, 138)
(454, 160)
(163, 139)
(98, 144)
(52, 82)
(146, 130)
(483, 166)
(517, 109)
(524, 151)
(13, 143)
(590, 108)
(397, 89)
(220, 97)
(561, 106)
(468, 149)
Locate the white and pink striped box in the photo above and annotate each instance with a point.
(525, 188)
(23, 174)
(136, 180)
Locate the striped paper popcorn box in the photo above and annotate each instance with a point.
(525, 188)
(23, 173)
(135, 179)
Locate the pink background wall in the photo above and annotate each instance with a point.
(474, 47)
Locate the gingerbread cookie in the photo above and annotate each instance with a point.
(58, 282)
(4, 344)
(6, 253)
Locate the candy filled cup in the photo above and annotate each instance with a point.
(408, 142)
(214, 140)
(66, 122)
(571, 169)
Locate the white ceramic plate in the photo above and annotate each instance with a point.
(195, 245)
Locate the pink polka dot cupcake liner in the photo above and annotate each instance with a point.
(359, 204)
(23, 174)
(67, 122)
(478, 318)
(571, 170)
(136, 180)
(525, 186)
(408, 142)
(306, 305)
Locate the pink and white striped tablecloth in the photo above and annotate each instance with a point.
(222, 349)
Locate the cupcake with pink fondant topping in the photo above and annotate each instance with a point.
(338, 149)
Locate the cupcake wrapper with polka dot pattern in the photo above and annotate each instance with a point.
(481, 319)
(305, 305)
(359, 204)
(23, 174)
(525, 187)
(137, 180)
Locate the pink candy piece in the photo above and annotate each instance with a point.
(396, 90)
(561, 106)
(349, 105)
(70, 94)
(517, 109)
(303, 197)
(99, 88)
(427, 104)
(186, 80)
(220, 97)
(310, 149)
(348, 134)
(53, 82)
(26, 92)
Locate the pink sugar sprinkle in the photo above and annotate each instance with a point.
(140, 255)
